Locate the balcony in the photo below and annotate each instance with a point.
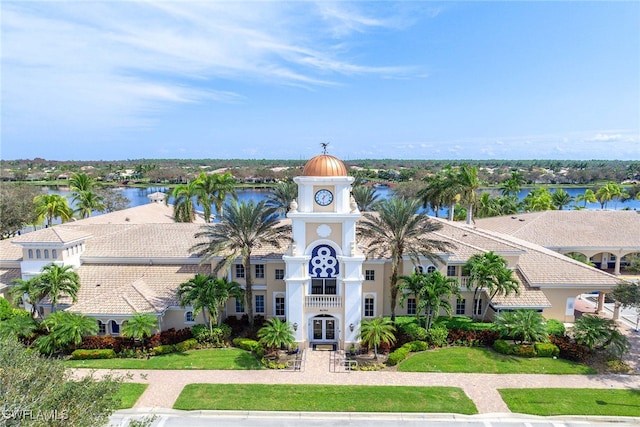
(323, 301)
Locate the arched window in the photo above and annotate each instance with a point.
(30, 253)
(102, 328)
(115, 327)
(54, 254)
(38, 254)
(431, 269)
(188, 316)
(46, 254)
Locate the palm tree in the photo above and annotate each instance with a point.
(469, 183)
(523, 325)
(596, 332)
(184, 209)
(539, 199)
(439, 191)
(56, 280)
(377, 331)
(87, 202)
(28, 291)
(587, 197)
(365, 197)
(608, 192)
(140, 326)
(52, 206)
(398, 230)
(488, 272)
(281, 196)
(207, 294)
(244, 227)
(276, 334)
(488, 206)
(580, 258)
(221, 186)
(561, 198)
(512, 185)
(18, 327)
(432, 292)
(81, 182)
(65, 328)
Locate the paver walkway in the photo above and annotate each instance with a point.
(165, 386)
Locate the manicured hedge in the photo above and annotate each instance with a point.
(189, 344)
(545, 349)
(163, 349)
(399, 355)
(503, 347)
(249, 345)
(93, 354)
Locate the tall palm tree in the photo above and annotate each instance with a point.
(397, 230)
(539, 199)
(587, 197)
(87, 202)
(512, 185)
(469, 183)
(440, 191)
(276, 334)
(56, 280)
(28, 291)
(365, 197)
(224, 184)
(81, 182)
(432, 292)
(281, 196)
(488, 272)
(244, 227)
(207, 294)
(183, 195)
(375, 332)
(609, 191)
(140, 326)
(560, 199)
(52, 206)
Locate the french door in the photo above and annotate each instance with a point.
(324, 329)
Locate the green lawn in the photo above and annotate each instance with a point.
(570, 401)
(324, 398)
(227, 358)
(129, 394)
(482, 360)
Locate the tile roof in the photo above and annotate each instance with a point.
(527, 296)
(55, 234)
(7, 275)
(569, 229)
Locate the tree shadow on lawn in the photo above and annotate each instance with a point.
(247, 361)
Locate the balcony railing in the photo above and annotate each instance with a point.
(323, 301)
(464, 281)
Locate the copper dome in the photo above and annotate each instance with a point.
(324, 165)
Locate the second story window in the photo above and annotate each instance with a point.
(369, 275)
(239, 271)
(259, 271)
(279, 273)
(451, 271)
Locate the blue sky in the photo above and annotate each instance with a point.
(408, 80)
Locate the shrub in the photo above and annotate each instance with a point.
(417, 346)
(503, 347)
(413, 331)
(523, 350)
(437, 336)
(555, 327)
(217, 337)
(545, 349)
(100, 342)
(163, 349)
(93, 354)
(171, 336)
(569, 349)
(399, 355)
(464, 323)
(249, 345)
(186, 345)
(472, 338)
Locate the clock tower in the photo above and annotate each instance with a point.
(324, 265)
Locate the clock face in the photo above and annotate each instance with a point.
(324, 197)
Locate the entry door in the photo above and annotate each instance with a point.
(324, 329)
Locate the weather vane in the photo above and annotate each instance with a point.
(324, 147)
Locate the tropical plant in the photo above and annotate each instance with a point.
(488, 272)
(281, 196)
(28, 291)
(81, 182)
(184, 196)
(432, 292)
(526, 326)
(276, 334)
(215, 188)
(377, 331)
(65, 329)
(609, 191)
(560, 199)
(18, 327)
(597, 332)
(87, 202)
(51, 206)
(587, 197)
(396, 230)
(539, 199)
(207, 294)
(580, 258)
(140, 326)
(469, 183)
(440, 191)
(365, 197)
(245, 227)
(55, 281)
(512, 185)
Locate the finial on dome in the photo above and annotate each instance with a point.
(324, 147)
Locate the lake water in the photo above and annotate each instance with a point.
(138, 196)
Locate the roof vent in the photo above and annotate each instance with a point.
(514, 217)
(521, 220)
